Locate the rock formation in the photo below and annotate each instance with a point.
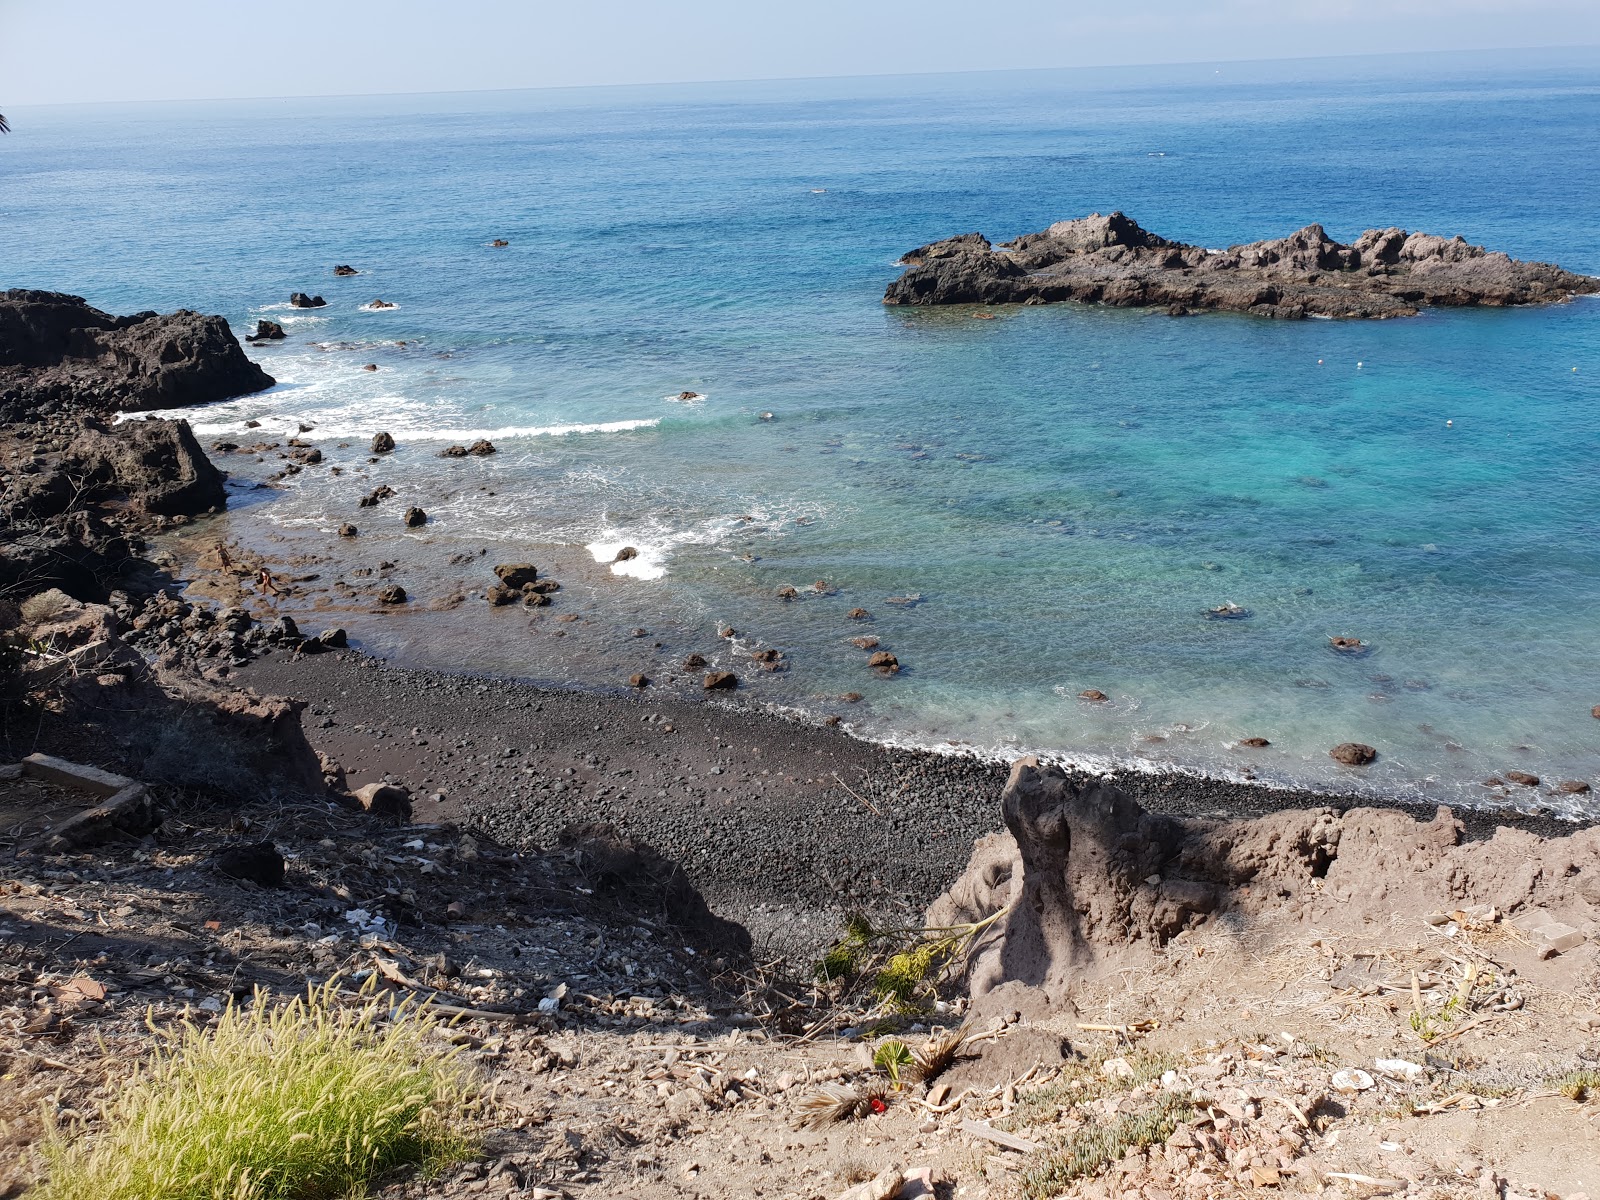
(57, 354)
(1091, 878)
(1111, 260)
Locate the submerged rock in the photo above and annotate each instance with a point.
(301, 300)
(266, 331)
(1112, 260)
(517, 575)
(343, 269)
(720, 681)
(415, 518)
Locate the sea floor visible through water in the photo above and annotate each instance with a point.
(1058, 495)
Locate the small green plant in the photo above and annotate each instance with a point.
(892, 1057)
(1429, 1023)
(305, 1101)
(1582, 1086)
(900, 967)
(1083, 1081)
(1093, 1147)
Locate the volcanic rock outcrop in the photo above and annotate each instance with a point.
(1089, 877)
(1112, 260)
(59, 354)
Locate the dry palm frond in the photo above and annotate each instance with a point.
(834, 1102)
(935, 1058)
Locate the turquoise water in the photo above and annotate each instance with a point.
(1068, 489)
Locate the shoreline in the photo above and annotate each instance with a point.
(784, 826)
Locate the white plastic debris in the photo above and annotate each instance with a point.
(1399, 1068)
(1351, 1081)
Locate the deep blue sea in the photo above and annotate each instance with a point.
(1067, 489)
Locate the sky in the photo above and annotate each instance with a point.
(77, 51)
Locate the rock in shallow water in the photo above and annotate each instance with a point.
(1353, 754)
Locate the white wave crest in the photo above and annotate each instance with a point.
(274, 424)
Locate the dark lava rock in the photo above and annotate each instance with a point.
(1523, 777)
(864, 643)
(1111, 260)
(517, 575)
(1093, 695)
(382, 492)
(500, 243)
(266, 331)
(393, 594)
(1348, 645)
(332, 639)
(625, 554)
(415, 518)
(693, 663)
(1595, 712)
(720, 681)
(532, 597)
(851, 697)
(481, 448)
(885, 662)
(1353, 754)
(343, 269)
(858, 614)
(348, 530)
(59, 355)
(787, 593)
(224, 447)
(456, 451)
(543, 585)
(282, 629)
(158, 465)
(1573, 787)
(1254, 742)
(260, 863)
(382, 304)
(382, 443)
(500, 594)
(301, 300)
(638, 681)
(370, 367)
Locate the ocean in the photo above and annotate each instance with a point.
(1064, 491)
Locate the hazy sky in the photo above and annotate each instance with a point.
(55, 51)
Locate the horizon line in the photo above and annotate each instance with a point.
(684, 83)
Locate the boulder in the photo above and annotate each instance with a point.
(157, 464)
(392, 594)
(415, 518)
(1347, 645)
(500, 243)
(57, 354)
(500, 594)
(348, 530)
(626, 554)
(1572, 787)
(481, 448)
(1093, 695)
(517, 575)
(864, 643)
(301, 300)
(1255, 743)
(382, 443)
(382, 492)
(1523, 778)
(332, 639)
(719, 681)
(381, 304)
(1353, 754)
(638, 681)
(384, 800)
(885, 662)
(281, 629)
(259, 863)
(266, 331)
(543, 585)
(532, 597)
(693, 663)
(453, 452)
(788, 593)
(343, 269)
(858, 614)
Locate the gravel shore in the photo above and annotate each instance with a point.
(783, 826)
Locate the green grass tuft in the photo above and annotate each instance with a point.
(1092, 1148)
(1581, 1086)
(297, 1102)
